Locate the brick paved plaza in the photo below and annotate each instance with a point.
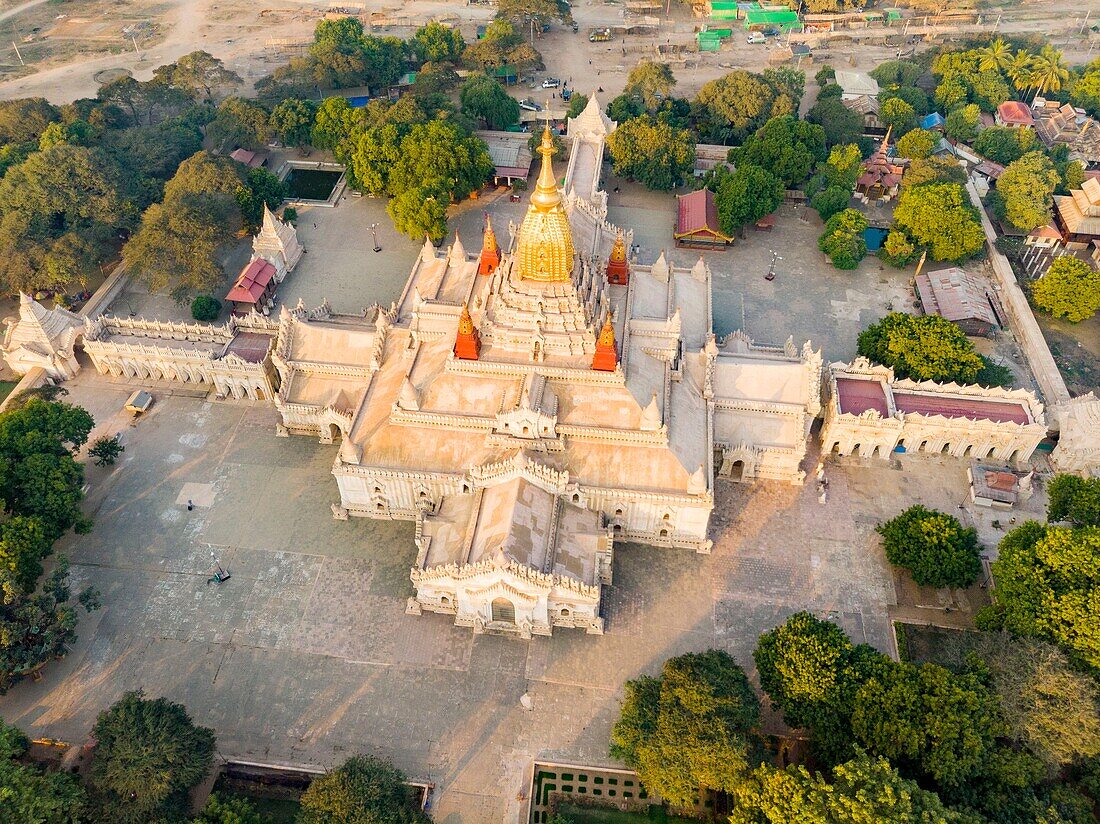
(306, 655)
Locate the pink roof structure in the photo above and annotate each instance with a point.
(698, 214)
(857, 396)
(923, 403)
(251, 282)
(1015, 113)
(249, 159)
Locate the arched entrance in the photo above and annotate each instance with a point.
(504, 611)
(737, 470)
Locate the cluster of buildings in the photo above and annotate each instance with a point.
(532, 403)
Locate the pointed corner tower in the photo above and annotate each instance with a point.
(618, 270)
(490, 250)
(467, 341)
(606, 358)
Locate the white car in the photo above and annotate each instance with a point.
(551, 83)
(756, 37)
(530, 106)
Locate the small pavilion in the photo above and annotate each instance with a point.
(697, 222)
(881, 177)
(254, 288)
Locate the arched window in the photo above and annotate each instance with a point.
(504, 611)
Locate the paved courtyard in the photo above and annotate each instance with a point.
(306, 656)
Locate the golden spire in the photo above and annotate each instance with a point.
(489, 239)
(546, 195)
(465, 322)
(618, 251)
(544, 245)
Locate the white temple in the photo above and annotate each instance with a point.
(42, 338)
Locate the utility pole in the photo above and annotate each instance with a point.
(17, 54)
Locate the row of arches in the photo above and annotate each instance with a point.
(958, 450)
(225, 386)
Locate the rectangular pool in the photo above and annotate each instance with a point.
(311, 184)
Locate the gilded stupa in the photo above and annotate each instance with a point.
(544, 245)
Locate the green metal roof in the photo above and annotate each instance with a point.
(757, 18)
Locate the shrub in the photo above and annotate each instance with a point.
(205, 308)
(936, 549)
(106, 450)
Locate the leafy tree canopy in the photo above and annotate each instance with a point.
(436, 43)
(940, 217)
(789, 148)
(917, 144)
(1027, 187)
(292, 121)
(198, 75)
(933, 170)
(843, 240)
(31, 796)
(728, 109)
(865, 789)
(841, 124)
(933, 546)
(1004, 144)
(897, 114)
(148, 755)
(652, 152)
(897, 73)
(962, 122)
(745, 195)
(362, 790)
(690, 727)
(1074, 499)
(1070, 289)
(651, 82)
(1048, 587)
(23, 120)
(928, 347)
(484, 98)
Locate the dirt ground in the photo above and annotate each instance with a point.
(63, 56)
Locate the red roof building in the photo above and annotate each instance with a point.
(249, 159)
(1014, 113)
(253, 287)
(881, 177)
(697, 221)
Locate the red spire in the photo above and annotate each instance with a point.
(490, 252)
(605, 359)
(467, 341)
(618, 270)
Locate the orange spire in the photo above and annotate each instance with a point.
(618, 270)
(605, 359)
(467, 341)
(490, 252)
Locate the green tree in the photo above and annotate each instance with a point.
(728, 109)
(928, 347)
(23, 120)
(362, 790)
(842, 125)
(436, 43)
(1004, 144)
(1086, 91)
(1048, 705)
(148, 156)
(292, 121)
(898, 115)
(205, 308)
(229, 810)
(917, 144)
(897, 249)
(484, 98)
(198, 74)
(106, 450)
(441, 156)
(260, 188)
(941, 724)
(689, 728)
(148, 755)
(336, 124)
(1047, 587)
(997, 56)
(651, 82)
(1070, 289)
(911, 95)
(1027, 187)
(24, 542)
(787, 147)
(933, 170)
(576, 105)
(239, 123)
(940, 217)
(897, 73)
(654, 153)
(962, 123)
(1074, 499)
(417, 212)
(1048, 70)
(843, 240)
(376, 153)
(31, 796)
(831, 201)
(625, 107)
(745, 195)
(865, 789)
(933, 546)
(40, 627)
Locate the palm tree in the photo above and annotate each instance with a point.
(1019, 70)
(1049, 72)
(997, 55)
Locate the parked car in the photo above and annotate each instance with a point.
(529, 105)
(756, 37)
(599, 35)
(566, 94)
(576, 28)
(772, 32)
(551, 83)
